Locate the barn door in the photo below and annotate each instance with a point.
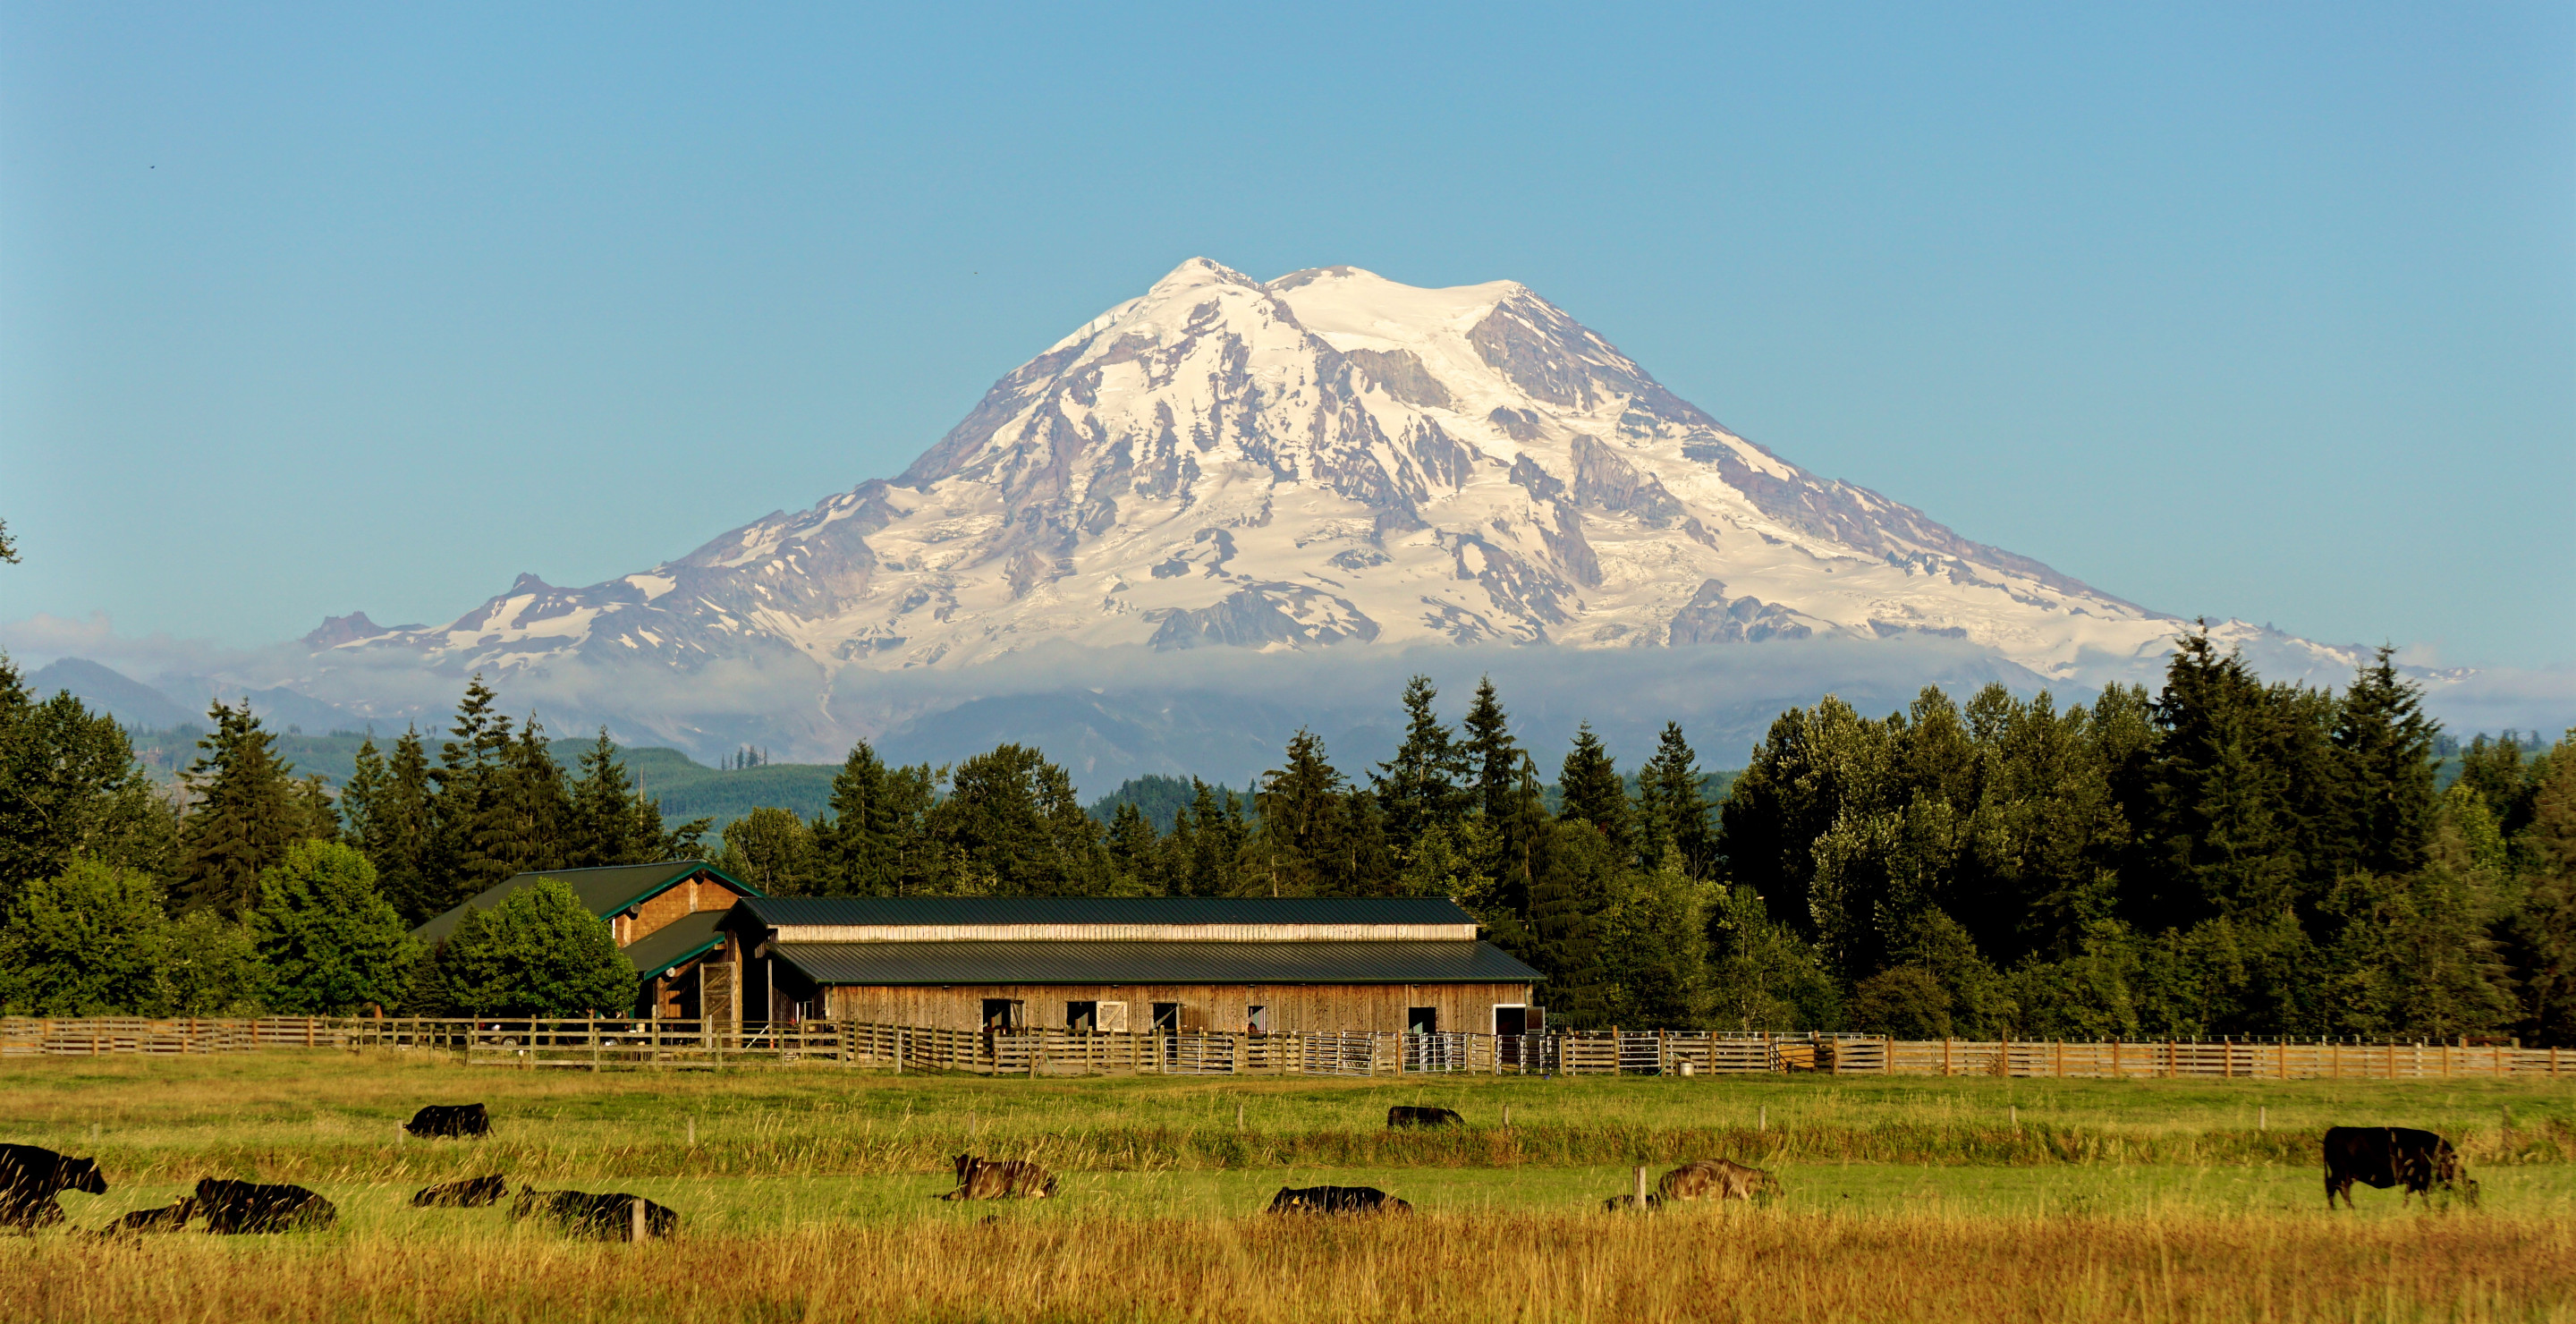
(719, 996)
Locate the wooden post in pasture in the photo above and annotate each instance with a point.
(1762, 1120)
(1641, 1188)
(635, 1215)
(1507, 1117)
(1238, 1115)
(1945, 1055)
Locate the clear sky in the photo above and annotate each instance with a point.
(2247, 310)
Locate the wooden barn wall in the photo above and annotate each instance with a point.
(1301, 1008)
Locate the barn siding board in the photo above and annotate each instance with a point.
(1300, 1009)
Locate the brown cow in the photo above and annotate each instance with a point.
(1716, 1179)
(992, 1179)
(1336, 1200)
(168, 1218)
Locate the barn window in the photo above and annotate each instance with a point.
(1256, 1020)
(1167, 1017)
(1113, 1017)
(1422, 1020)
(1082, 1017)
(1002, 1013)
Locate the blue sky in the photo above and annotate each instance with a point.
(2262, 311)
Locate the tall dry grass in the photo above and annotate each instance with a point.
(1702, 1266)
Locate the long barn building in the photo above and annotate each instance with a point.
(1116, 964)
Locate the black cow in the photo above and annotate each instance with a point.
(473, 1194)
(235, 1208)
(30, 1178)
(1336, 1200)
(2385, 1156)
(598, 1217)
(450, 1120)
(171, 1217)
(1404, 1116)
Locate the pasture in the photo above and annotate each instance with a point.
(808, 1193)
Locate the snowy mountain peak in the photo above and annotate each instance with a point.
(1325, 459)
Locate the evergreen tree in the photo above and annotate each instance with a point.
(1655, 948)
(1672, 811)
(468, 802)
(245, 815)
(2494, 771)
(538, 953)
(861, 840)
(70, 789)
(1593, 791)
(526, 810)
(328, 941)
(1419, 789)
(1573, 871)
(397, 830)
(1206, 845)
(87, 942)
(360, 795)
(1492, 756)
(2539, 938)
(2387, 744)
(1012, 826)
(2218, 807)
(1303, 832)
(607, 824)
(1136, 852)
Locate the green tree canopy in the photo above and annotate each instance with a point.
(328, 941)
(538, 953)
(86, 942)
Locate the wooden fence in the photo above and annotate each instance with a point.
(599, 1044)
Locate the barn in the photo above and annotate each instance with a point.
(1258, 965)
(664, 915)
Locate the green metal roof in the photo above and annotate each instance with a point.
(604, 891)
(683, 939)
(1155, 963)
(889, 910)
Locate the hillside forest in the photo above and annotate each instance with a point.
(2224, 856)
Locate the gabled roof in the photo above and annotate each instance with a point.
(676, 943)
(604, 891)
(1155, 963)
(890, 911)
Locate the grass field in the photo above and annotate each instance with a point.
(807, 1193)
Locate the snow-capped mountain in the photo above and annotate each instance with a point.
(1324, 460)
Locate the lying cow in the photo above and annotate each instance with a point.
(1716, 1179)
(597, 1217)
(2385, 1156)
(450, 1121)
(234, 1208)
(171, 1217)
(472, 1194)
(1336, 1200)
(30, 1178)
(992, 1179)
(1618, 1202)
(1405, 1116)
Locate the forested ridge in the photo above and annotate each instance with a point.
(2221, 857)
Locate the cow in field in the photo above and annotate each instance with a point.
(1618, 1202)
(2385, 1156)
(1405, 1116)
(597, 1217)
(1716, 1179)
(171, 1217)
(1336, 1200)
(992, 1179)
(235, 1208)
(450, 1121)
(30, 1178)
(473, 1194)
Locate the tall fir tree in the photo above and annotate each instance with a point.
(397, 830)
(1493, 757)
(71, 789)
(1673, 810)
(859, 839)
(245, 813)
(1420, 788)
(1593, 790)
(2387, 744)
(608, 824)
(468, 800)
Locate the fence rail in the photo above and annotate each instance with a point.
(599, 1044)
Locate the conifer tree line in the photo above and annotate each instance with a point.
(2222, 857)
(255, 890)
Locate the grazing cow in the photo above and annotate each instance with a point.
(597, 1217)
(450, 1120)
(171, 1217)
(30, 1178)
(1618, 1202)
(472, 1194)
(1336, 1200)
(992, 1179)
(2385, 1156)
(1404, 1116)
(234, 1208)
(1716, 1179)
